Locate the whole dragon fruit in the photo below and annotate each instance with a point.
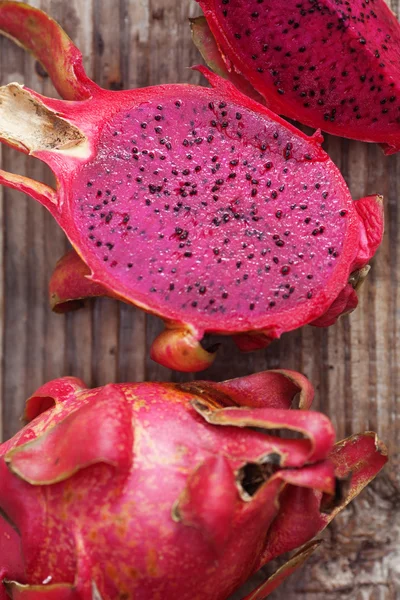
(330, 64)
(152, 490)
(196, 204)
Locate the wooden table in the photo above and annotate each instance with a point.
(354, 365)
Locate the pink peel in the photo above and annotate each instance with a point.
(18, 591)
(70, 284)
(208, 47)
(37, 32)
(162, 499)
(297, 561)
(198, 205)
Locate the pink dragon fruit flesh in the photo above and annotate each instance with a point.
(150, 490)
(196, 204)
(331, 64)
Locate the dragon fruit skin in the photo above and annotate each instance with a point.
(154, 490)
(196, 204)
(329, 64)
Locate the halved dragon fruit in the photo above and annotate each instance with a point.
(326, 63)
(152, 490)
(196, 204)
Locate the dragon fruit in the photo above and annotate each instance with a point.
(196, 204)
(153, 490)
(330, 64)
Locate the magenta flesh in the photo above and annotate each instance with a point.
(197, 209)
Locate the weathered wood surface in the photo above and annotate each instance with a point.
(355, 365)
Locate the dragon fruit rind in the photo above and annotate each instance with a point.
(150, 490)
(330, 64)
(196, 204)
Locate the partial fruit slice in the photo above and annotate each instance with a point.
(196, 204)
(326, 63)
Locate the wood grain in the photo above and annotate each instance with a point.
(354, 365)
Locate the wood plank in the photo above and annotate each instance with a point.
(355, 365)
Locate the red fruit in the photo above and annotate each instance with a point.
(197, 204)
(154, 490)
(328, 64)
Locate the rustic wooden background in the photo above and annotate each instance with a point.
(354, 365)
